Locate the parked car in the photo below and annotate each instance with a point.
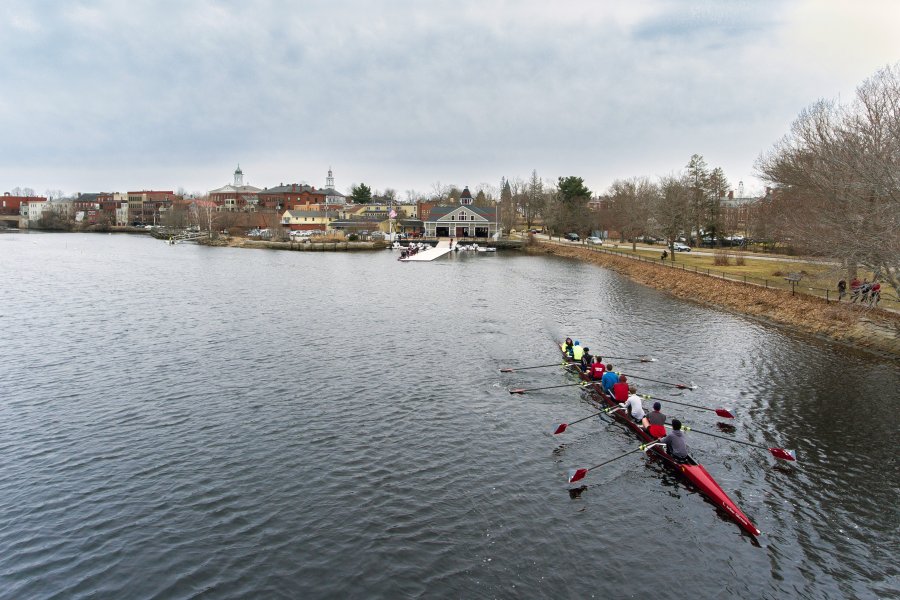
(679, 247)
(573, 237)
(595, 240)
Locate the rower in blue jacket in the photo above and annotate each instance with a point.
(609, 379)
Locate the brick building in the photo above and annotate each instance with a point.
(236, 196)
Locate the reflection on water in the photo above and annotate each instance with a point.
(179, 420)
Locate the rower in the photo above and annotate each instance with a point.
(586, 360)
(620, 389)
(676, 443)
(577, 351)
(634, 407)
(597, 368)
(609, 378)
(567, 346)
(656, 417)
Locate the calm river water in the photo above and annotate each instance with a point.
(181, 422)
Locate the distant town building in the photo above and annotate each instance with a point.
(293, 196)
(236, 196)
(12, 205)
(332, 196)
(32, 209)
(144, 206)
(306, 220)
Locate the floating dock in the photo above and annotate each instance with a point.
(442, 248)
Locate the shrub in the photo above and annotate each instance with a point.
(721, 258)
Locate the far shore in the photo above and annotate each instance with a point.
(875, 331)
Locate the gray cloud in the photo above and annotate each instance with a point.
(112, 95)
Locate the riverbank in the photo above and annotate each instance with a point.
(872, 330)
(240, 242)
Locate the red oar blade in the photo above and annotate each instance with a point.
(517, 391)
(507, 370)
(577, 475)
(560, 428)
(724, 413)
(783, 454)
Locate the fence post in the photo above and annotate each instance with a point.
(827, 299)
(745, 280)
(767, 284)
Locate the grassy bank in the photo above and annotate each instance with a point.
(874, 330)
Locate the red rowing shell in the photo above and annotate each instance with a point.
(695, 473)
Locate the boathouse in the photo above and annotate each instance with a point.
(463, 221)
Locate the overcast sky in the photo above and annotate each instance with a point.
(121, 95)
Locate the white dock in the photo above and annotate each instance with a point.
(442, 248)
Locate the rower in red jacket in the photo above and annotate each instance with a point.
(620, 390)
(597, 369)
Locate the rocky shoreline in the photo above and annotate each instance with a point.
(875, 331)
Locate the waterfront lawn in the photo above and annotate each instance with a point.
(817, 277)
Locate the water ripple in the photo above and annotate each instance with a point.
(274, 424)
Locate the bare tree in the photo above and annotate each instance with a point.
(631, 203)
(839, 171)
(533, 199)
(671, 208)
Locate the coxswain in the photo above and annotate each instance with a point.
(676, 442)
(634, 407)
(620, 389)
(586, 360)
(597, 368)
(567, 346)
(577, 351)
(609, 378)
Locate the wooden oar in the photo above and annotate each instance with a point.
(780, 453)
(549, 387)
(680, 386)
(579, 474)
(724, 413)
(563, 426)
(635, 358)
(514, 369)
